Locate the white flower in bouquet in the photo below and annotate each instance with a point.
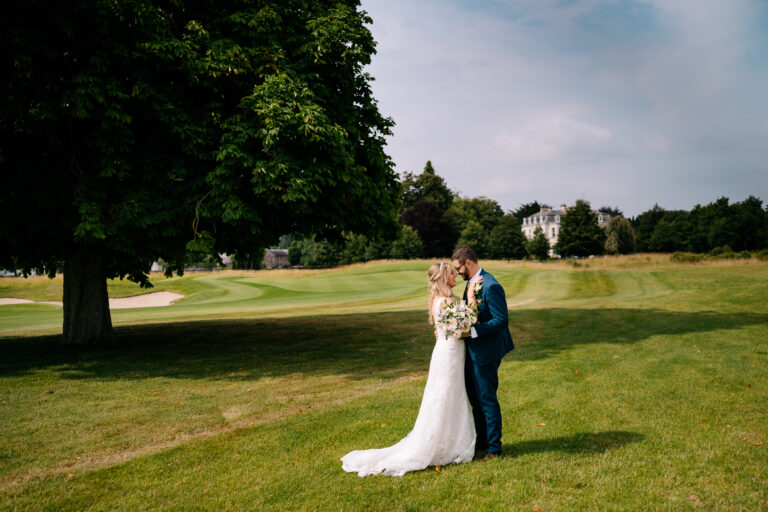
(455, 318)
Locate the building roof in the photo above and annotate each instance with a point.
(549, 214)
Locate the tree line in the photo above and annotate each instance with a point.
(741, 226)
(434, 220)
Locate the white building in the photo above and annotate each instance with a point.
(549, 221)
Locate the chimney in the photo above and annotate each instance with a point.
(563, 207)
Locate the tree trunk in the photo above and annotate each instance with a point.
(86, 305)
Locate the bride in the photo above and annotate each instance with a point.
(444, 432)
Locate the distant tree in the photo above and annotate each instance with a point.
(538, 246)
(246, 261)
(294, 252)
(321, 253)
(436, 235)
(475, 236)
(526, 210)
(709, 227)
(644, 225)
(580, 234)
(427, 185)
(612, 211)
(664, 238)
(353, 249)
(407, 246)
(620, 236)
(507, 240)
(486, 212)
(748, 221)
(285, 241)
(377, 250)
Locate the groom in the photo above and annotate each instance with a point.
(490, 340)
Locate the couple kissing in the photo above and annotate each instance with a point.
(460, 413)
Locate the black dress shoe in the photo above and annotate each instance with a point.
(489, 456)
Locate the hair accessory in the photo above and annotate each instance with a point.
(441, 266)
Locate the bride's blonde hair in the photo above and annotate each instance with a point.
(438, 284)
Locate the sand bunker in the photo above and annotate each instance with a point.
(148, 300)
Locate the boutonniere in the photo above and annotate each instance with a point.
(478, 288)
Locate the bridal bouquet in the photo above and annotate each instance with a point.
(455, 317)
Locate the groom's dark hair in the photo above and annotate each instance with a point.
(464, 253)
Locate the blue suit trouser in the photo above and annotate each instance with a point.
(482, 382)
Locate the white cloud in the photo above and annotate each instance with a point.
(625, 103)
(551, 138)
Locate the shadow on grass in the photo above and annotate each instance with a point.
(382, 345)
(586, 443)
(552, 330)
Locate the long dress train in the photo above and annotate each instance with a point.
(444, 432)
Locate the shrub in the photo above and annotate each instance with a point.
(745, 255)
(762, 254)
(686, 257)
(724, 251)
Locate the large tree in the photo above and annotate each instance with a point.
(644, 225)
(136, 130)
(507, 239)
(483, 210)
(526, 210)
(620, 236)
(538, 246)
(665, 238)
(427, 219)
(427, 185)
(473, 235)
(580, 234)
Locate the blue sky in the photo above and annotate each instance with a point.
(621, 103)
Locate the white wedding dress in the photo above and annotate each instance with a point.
(444, 432)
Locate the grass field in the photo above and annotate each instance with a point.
(636, 384)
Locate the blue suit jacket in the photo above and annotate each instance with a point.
(492, 327)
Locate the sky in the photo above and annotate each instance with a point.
(623, 103)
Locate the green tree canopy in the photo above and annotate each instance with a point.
(526, 210)
(132, 131)
(644, 225)
(613, 211)
(664, 238)
(507, 240)
(580, 235)
(427, 185)
(407, 246)
(427, 219)
(486, 212)
(750, 223)
(620, 236)
(742, 226)
(538, 246)
(476, 237)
